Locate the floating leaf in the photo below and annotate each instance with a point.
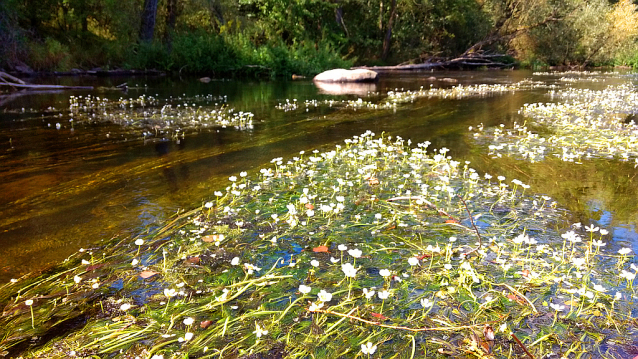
(373, 181)
(310, 206)
(205, 324)
(147, 274)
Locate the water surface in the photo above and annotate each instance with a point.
(68, 188)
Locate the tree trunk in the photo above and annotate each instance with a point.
(388, 33)
(171, 19)
(339, 18)
(217, 12)
(149, 14)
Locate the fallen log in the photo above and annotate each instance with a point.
(46, 87)
(16, 83)
(468, 60)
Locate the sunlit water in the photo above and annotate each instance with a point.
(68, 188)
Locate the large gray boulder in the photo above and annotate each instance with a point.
(343, 75)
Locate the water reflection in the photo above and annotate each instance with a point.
(347, 88)
(65, 189)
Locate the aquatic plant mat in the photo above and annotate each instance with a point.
(372, 249)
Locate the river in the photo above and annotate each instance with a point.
(67, 184)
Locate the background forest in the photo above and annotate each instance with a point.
(304, 37)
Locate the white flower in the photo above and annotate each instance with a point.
(355, 253)
(84, 261)
(599, 288)
(232, 178)
(28, 302)
(592, 228)
(368, 293)
(627, 275)
(259, 332)
(169, 292)
(304, 289)
(188, 336)
(157, 356)
(624, 251)
(378, 216)
(571, 236)
(349, 270)
(604, 232)
(334, 260)
(452, 239)
(368, 348)
(598, 243)
(218, 194)
(208, 205)
(314, 263)
(77, 279)
(235, 261)
(413, 261)
(243, 174)
(251, 268)
(618, 296)
(315, 306)
(124, 307)
(426, 303)
(578, 262)
(342, 247)
(134, 262)
(310, 213)
(384, 273)
(340, 198)
(557, 307)
(189, 321)
(384, 294)
(324, 296)
(447, 266)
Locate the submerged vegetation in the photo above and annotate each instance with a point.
(373, 248)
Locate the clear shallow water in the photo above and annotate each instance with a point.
(68, 188)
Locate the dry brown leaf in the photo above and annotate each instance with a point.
(147, 274)
(320, 249)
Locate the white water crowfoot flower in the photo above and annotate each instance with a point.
(324, 296)
(259, 332)
(356, 253)
(29, 303)
(624, 251)
(557, 307)
(315, 306)
(384, 273)
(413, 261)
(304, 289)
(592, 228)
(368, 348)
(426, 303)
(368, 293)
(349, 270)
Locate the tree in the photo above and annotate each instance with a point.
(149, 13)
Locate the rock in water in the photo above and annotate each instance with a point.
(343, 75)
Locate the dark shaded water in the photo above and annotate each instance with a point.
(68, 188)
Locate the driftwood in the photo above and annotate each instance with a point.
(16, 83)
(475, 59)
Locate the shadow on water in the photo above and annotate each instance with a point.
(68, 188)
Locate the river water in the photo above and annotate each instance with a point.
(67, 184)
